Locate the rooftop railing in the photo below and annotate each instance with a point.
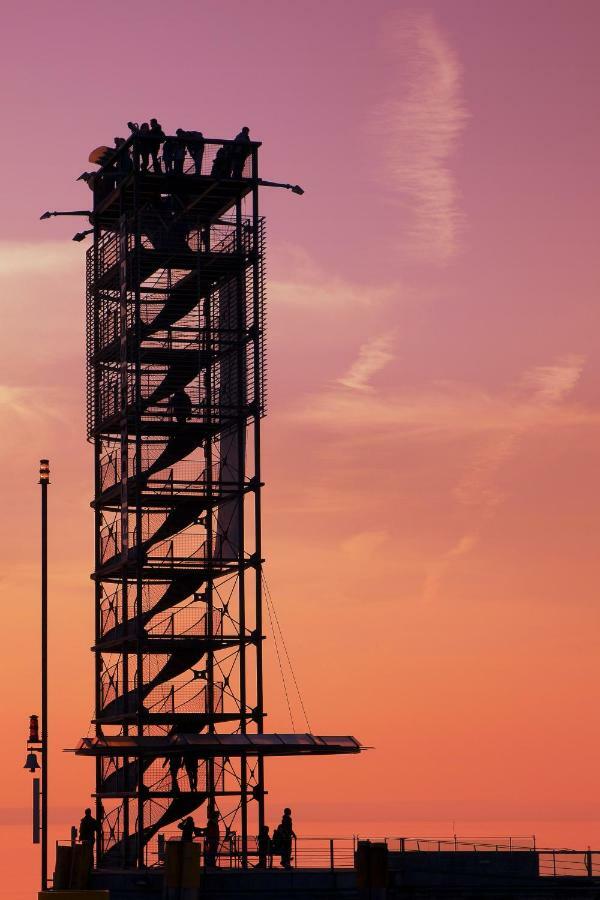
(209, 157)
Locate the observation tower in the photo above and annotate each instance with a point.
(176, 390)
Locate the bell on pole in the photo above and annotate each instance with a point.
(31, 762)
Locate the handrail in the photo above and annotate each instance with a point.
(134, 141)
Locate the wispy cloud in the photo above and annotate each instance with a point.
(439, 567)
(539, 400)
(30, 404)
(546, 388)
(489, 426)
(305, 284)
(451, 409)
(372, 357)
(418, 129)
(18, 258)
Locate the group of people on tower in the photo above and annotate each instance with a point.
(280, 843)
(229, 160)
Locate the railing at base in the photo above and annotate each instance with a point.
(338, 852)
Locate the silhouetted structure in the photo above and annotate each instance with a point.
(176, 393)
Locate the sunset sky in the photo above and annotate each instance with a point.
(432, 510)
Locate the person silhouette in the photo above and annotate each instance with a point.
(143, 133)
(221, 167)
(174, 762)
(195, 147)
(179, 152)
(211, 840)
(241, 151)
(180, 406)
(191, 769)
(188, 830)
(286, 835)
(88, 828)
(169, 153)
(157, 136)
(265, 848)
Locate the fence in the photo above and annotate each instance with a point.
(338, 852)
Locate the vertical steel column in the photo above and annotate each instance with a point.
(44, 482)
(139, 560)
(258, 337)
(242, 403)
(93, 299)
(124, 476)
(209, 695)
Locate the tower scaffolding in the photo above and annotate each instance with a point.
(176, 392)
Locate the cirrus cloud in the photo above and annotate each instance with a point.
(418, 130)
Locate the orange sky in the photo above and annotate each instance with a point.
(430, 523)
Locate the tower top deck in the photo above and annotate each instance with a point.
(214, 173)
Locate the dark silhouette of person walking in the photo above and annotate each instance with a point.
(88, 828)
(157, 137)
(286, 835)
(180, 406)
(241, 151)
(212, 837)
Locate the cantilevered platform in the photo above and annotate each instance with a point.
(212, 745)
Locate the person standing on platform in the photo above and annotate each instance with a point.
(88, 828)
(169, 153)
(195, 147)
(241, 151)
(143, 133)
(286, 836)
(174, 763)
(180, 406)
(212, 837)
(221, 167)
(179, 151)
(188, 830)
(157, 137)
(190, 761)
(265, 848)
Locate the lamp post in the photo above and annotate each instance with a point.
(36, 742)
(44, 482)
(31, 763)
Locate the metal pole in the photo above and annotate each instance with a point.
(44, 482)
(36, 810)
(257, 270)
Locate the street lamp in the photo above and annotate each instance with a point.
(44, 482)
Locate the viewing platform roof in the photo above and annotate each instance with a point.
(211, 745)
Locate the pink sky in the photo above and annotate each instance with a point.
(431, 523)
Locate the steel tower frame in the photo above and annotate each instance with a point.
(176, 390)
(175, 302)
